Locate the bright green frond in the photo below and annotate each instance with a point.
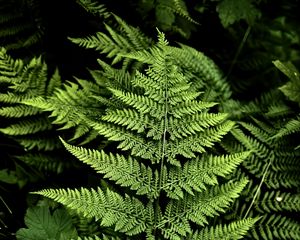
(129, 141)
(141, 103)
(116, 43)
(197, 174)
(70, 106)
(198, 142)
(126, 172)
(190, 125)
(129, 118)
(235, 230)
(197, 208)
(18, 111)
(9, 67)
(126, 214)
(190, 108)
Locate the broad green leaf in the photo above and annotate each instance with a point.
(42, 225)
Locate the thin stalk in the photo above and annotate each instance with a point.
(164, 141)
(258, 189)
(238, 52)
(4, 203)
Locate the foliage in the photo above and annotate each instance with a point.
(152, 126)
(21, 24)
(166, 137)
(28, 125)
(231, 11)
(41, 224)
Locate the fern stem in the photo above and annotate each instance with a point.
(258, 189)
(239, 50)
(164, 141)
(4, 203)
(4, 225)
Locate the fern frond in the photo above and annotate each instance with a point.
(21, 24)
(27, 127)
(127, 214)
(128, 39)
(197, 174)
(292, 126)
(277, 201)
(141, 103)
(276, 227)
(68, 106)
(159, 116)
(94, 7)
(126, 172)
(9, 67)
(97, 238)
(45, 143)
(18, 111)
(197, 208)
(44, 162)
(132, 119)
(235, 230)
(138, 145)
(198, 142)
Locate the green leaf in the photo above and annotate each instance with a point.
(44, 225)
(8, 176)
(231, 11)
(292, 88)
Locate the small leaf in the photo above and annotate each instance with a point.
(231, 11)
(8, 176)
(292, 88)
(42, 225)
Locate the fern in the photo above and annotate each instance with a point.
(174, 178)
(235, 230)
(25, 124)
(126, 40)
(276, 227)
(94, 7)
(69, 105)
(272, 166)
(291, 90)
(21, 24)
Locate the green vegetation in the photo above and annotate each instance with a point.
(132, 120)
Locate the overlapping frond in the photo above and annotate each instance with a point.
(126, 172)
(175, 221)
(128, 39)
(25, 124)
(235, 230)
(272, 165)
(197, 174)
(94, 7)
(127, 214)
(69, 107)
(21, 24)
(276, 227)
